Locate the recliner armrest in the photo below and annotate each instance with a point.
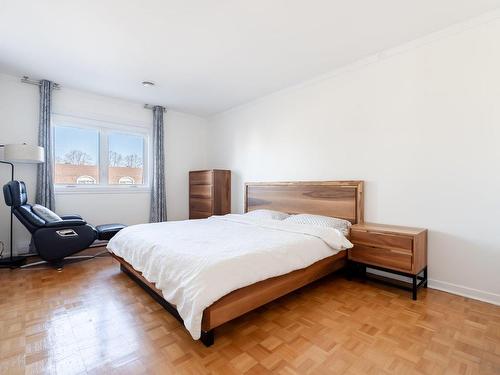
(65, 223)
(73, 216)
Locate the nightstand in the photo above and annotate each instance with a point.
(390, 248)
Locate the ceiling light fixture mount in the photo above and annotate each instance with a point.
(148, 83)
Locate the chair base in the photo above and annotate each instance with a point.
(13, 262)
(59, 264)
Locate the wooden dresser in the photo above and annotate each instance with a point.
(209, 193)
(396, 249)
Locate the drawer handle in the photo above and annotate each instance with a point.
(379, 233)
(388, 234)
(404, 252)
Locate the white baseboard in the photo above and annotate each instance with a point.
(465, 291)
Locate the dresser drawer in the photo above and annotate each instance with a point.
(199, 204)
(390, 258)
(199, 215)
(200, 178)
(200, 191)
(383, 240)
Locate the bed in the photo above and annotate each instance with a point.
(341, 199)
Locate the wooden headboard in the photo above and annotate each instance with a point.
(342, 199)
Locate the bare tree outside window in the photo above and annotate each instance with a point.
(115, 159)
(77, 157)
(126, 161)
(133, 161)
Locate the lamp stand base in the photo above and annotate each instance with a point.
(13, 262)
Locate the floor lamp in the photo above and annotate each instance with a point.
(18, 153)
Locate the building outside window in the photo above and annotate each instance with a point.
(126, 180)
(86, 180)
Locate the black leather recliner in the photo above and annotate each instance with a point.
(59, 239)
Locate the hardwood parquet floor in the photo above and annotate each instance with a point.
(92, 319)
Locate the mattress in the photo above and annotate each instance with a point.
(196, 262)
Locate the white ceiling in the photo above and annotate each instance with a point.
(207, 56)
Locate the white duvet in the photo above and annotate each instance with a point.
(196, 262)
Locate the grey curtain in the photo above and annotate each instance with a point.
(45, 181)
(158, 211)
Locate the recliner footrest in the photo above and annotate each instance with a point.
(106, 231)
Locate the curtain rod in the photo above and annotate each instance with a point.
(149, 106)
(29, 81)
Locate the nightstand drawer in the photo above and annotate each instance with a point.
(397, 259)
(387, 241)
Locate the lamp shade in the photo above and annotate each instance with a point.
(23, 153)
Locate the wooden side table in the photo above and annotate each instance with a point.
(396, 249)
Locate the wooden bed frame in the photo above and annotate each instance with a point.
(342, 199)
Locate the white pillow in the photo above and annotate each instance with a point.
(324, 221)
(46, 214)
(268, 214)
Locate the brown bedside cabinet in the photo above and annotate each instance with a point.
(391, 248)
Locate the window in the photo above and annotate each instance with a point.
(92, 155)
(77, 155)
(126, 153)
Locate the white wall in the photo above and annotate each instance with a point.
(420, 124)
(185, 147)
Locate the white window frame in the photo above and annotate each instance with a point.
(105, 128)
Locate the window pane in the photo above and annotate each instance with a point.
(76, 155)
(126, 154)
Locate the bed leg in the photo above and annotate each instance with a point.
(207, 338)
(348, 270)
